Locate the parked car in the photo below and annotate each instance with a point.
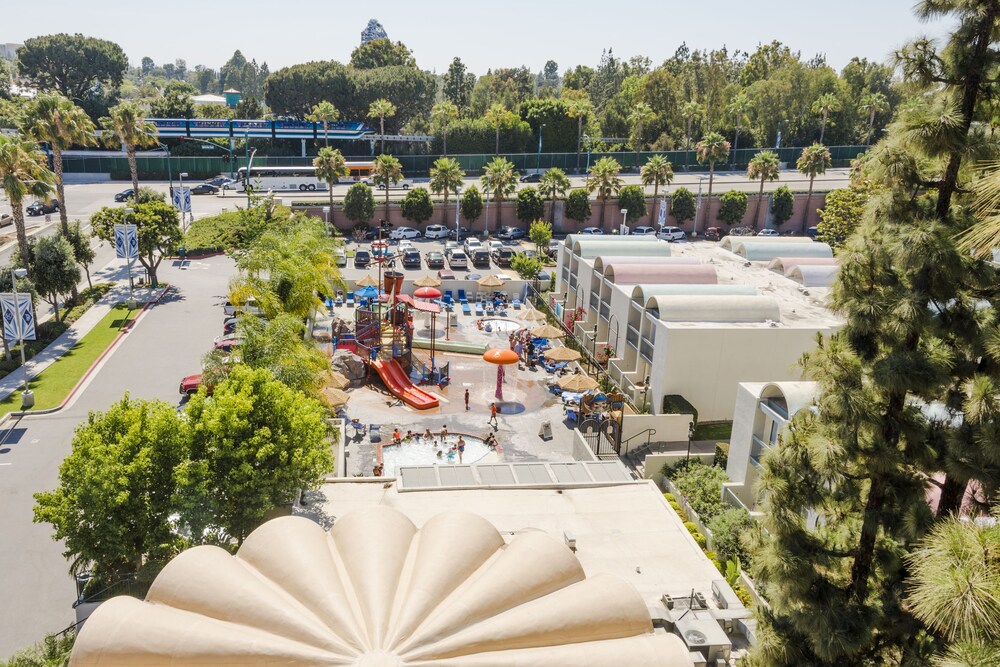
(481, 257)
(362, 258)
(713, 234)
(768, 232)
(227, 343)
(190, 385)
(644, 231)
(229, 326)
(6, 219)
(40, 207)
(434, 260)
(404, 184)
(458, 260)
(404, 245)
(552, 249)
(531, 178)
(446, 274)
(204, 189)
(671, 234)
(741, 231)
(494, 244)
(436, 232)
(472, 244)
(340, 257)
(125, 194)
(528, 253)
(220, 181)
(812, 232)
(250, 308)
(503, 256)
(511, 234)
(411, 259)
(591, 230)
(461, 233)
(404, 233)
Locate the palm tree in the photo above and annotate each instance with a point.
(330, 165)
(691, 111)
(873, 103)
(386, 173)
(125, 124)
(446, 176)
(824, 106)
(60, 123)
(325, 113)
(604, 178)
(765, 166)
(381, 109)
(441, 115)
(641, 114)
(657, 171)
(553, 185)
(500, 179)
(497, 115)
(712, 148)
(814, 160)
(738, 109)
(23, 172)
(579, 109)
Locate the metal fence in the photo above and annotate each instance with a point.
(416, 166)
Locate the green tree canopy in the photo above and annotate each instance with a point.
(254, 445)
(382, 53)
(417, 206)
(540, 234)
(326, 113)
(733, 207)
(330, 167)
(526, 267)
(530, 206)
(553, 185)
(54, 271)
(175, 102)
(446, 177)
(472, 204)
(115, 496)
(633, 199)
(841, 214)
(782, 203)
(499, 180)
(359, 204)
(71, 65)
(682, 205)
(578, 205)
(83, 252)
(604, 178)
(23, 173)
(157, 226)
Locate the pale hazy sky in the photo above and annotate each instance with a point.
(506, 34)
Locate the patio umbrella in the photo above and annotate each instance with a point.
(562, 354)
(547, 331)
(501, 357)
(427, 281)
(367, 281)
(427, 293)
(577, 382)
(490, 281)
(336, 380)
(336, 397)
(369, 292)
(532, 315)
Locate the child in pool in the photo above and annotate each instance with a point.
(428, 435)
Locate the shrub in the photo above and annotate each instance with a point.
(578, 205)
(702, 487)
(729, 528)
(417, 206)
(782, 202)
(700, 539)
(675, 404)
(633, 199)
(691, 527)
(359, 204)
(529, 206)
(734, 207)
(682, 205)
(670, 498)
(721, 455)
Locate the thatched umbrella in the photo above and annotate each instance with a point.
(335, 397)
(336, 379)
(562, 354)
(547, 331)
(532, 315)
(367, 281)
(427, 281)
(490, 281)
(577, 382)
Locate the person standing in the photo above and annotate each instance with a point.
(461, 448)
(466, 400)
(493, 415)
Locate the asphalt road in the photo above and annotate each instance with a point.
(36, 592)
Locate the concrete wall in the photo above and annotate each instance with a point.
(581, 452)
(612, 217)
(669, 428)
(744, 417)
(705, 364)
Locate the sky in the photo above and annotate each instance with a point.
(521, 32)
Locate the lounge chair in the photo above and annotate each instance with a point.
(516, 303)
(461, 295)
(448, 298)
(374, 433)
(350, 299)
(465, 308)
(340, 298)
(479, 308)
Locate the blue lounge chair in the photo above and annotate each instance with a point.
(479, 308)
(465, 308)
(448, 298)
(461, 295)
(350, 299)
(374, 433)
(517, 303)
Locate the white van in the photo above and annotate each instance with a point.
(436, 232)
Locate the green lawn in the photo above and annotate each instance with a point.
(719, 431)
(53, 384)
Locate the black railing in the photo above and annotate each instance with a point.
(649, 432)
(129, 585)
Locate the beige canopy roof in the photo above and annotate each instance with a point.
(636, 274)
(377, 592)
(656, 258)
(713, 308)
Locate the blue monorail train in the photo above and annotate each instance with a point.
(257, 129)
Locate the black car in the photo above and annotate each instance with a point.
(531, 178)
(463, 230)
(503, 256)
(435, 260)
(219, 181)
(362, 258)
(39, 207)
(124, 194)
(481, 257)
(204, 189)
(411, 259)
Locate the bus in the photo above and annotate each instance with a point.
(303, 179)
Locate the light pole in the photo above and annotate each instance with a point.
(183, 213)
(326, 219)
(27, 397)
(586, 139)
(623, 230)
(458, 202)
(697, 207)
(128, 256)
(486, 223)
(538, 161)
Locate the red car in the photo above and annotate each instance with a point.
(227, 343)
(190, 385)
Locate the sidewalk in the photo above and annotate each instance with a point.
(76, 331)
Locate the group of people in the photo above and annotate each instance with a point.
(522, 343)
(440, 440)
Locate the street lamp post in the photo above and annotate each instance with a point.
(538, 161)
(687, 459)
(27, 397)
(128, 254)
(623, 230)
(326, 219)
(586, 139)
(486, 223)
(697, 208)
(183, 213)
(458, 205)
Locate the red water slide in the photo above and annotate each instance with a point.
(398, 383)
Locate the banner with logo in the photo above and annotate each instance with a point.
(182, 199)
(18, 316)
(126, 242)
(662, 219)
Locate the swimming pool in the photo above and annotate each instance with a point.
(418, 452)
(500, 325)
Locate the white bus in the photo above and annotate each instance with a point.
(303, 179)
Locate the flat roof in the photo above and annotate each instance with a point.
(626, 529)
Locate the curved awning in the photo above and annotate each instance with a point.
(641, 293)
(728, 242)
(762, 251)
(594, 246)
(600, 263)
(636, 274)
(813, 276)
(716, 308)
(783, 264)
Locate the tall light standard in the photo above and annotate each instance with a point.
(623, 230)
(128, 255)
(586, 139)
(183, 212)
(326, 219)
(27, 397)
(486, 223)
(538, 161)
(697, 207)
(458, 205)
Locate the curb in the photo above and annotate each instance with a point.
(72, 392)
(187, 257)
